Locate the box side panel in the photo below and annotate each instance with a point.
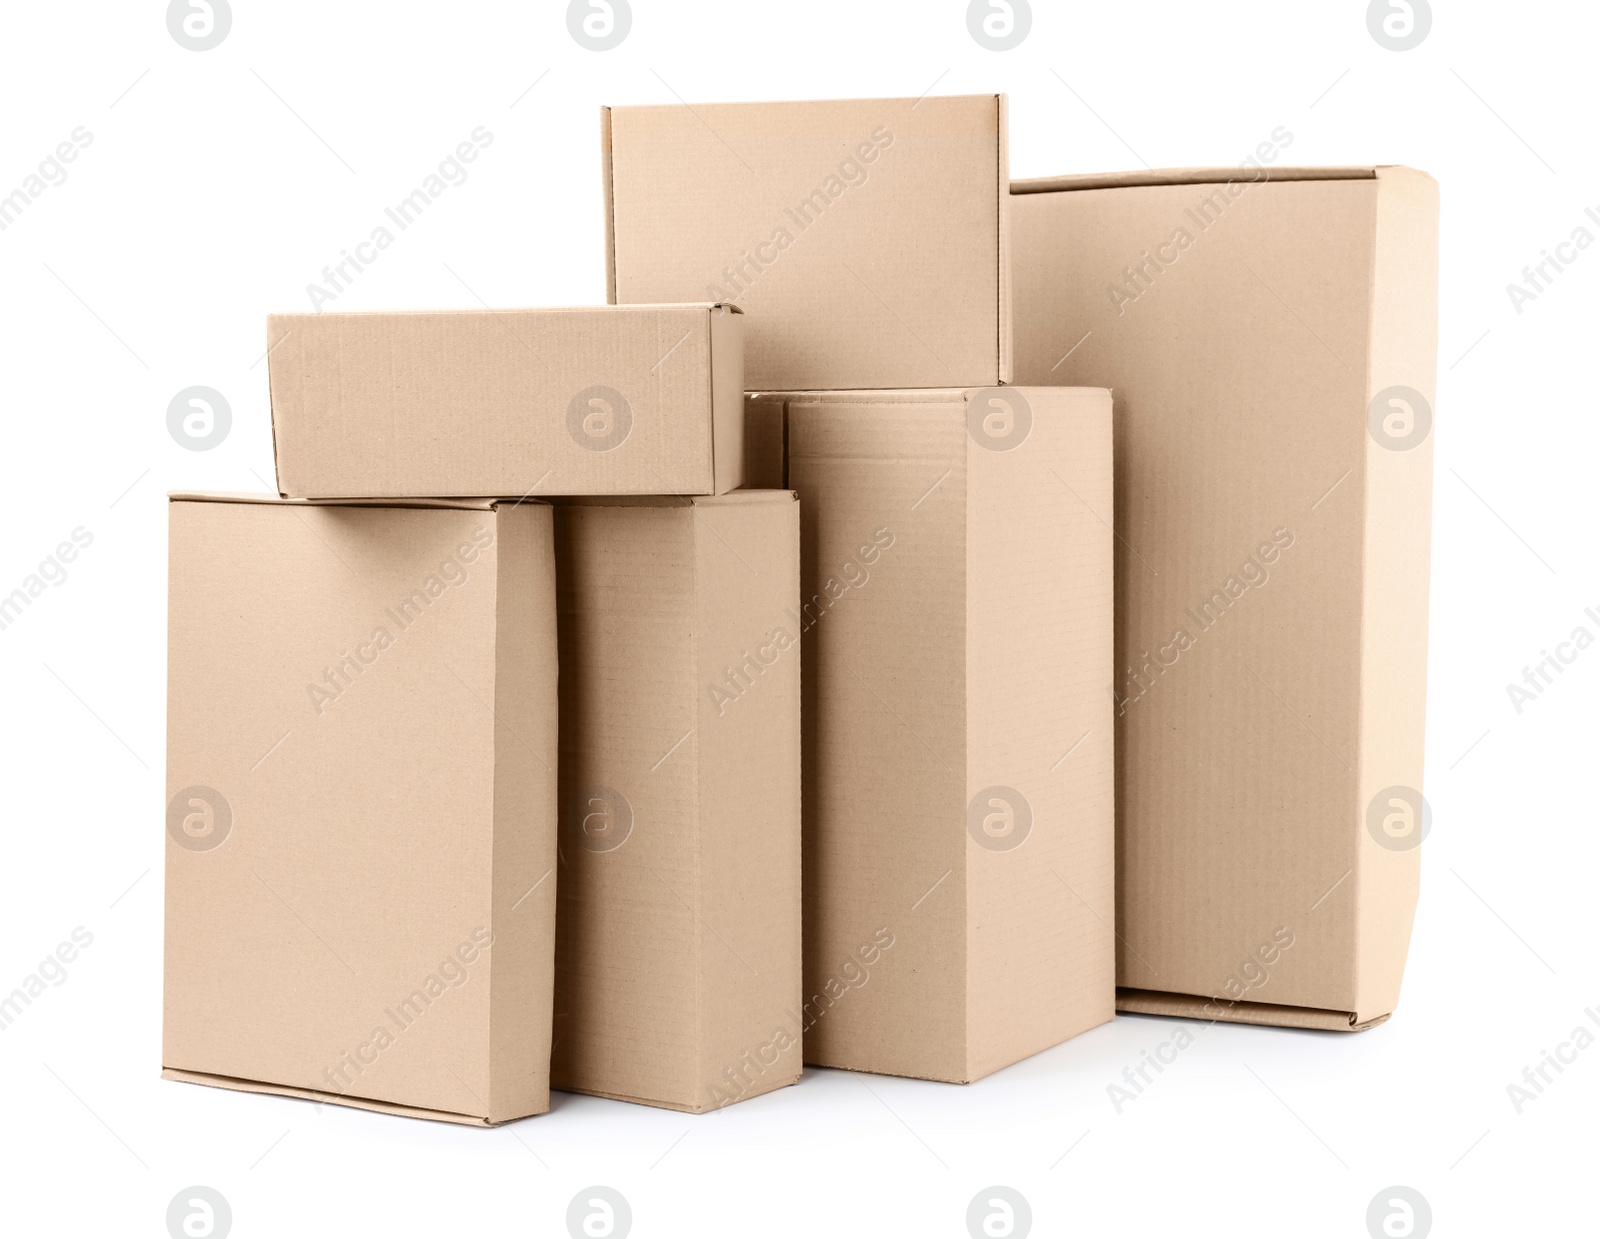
(1003, 220)
(524, 709)
(628, 983)
(883, 623)
(1231, 323)
(274, 338)
(606, 400)
(747, 887)
(727, 398)
(609, 206)
(1399, 491)
(861, 235)
(1041, 957)
(330, 790)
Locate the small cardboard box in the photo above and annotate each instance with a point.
(636, 400)
(678, 935)
(1269, 334)
(361, 815)
(867, 238)
(958, 737)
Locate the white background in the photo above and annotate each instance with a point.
(217, 186)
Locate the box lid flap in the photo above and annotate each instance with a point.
(1186, 176)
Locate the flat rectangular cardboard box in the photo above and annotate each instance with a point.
(958, 735)
(1269, 334)
(866, 237)
(637, 400)
(361, 820)
(678, 933)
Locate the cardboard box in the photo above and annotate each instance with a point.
(361, 816)
(678, 957)
(867, 238)
(1269, 335)
(958, 733)
(509, 403)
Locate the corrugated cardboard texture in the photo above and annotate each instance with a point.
(507, 403)
(363, 699)
(867, 238)
(1272, 562)
(678, 962)
(958, 732)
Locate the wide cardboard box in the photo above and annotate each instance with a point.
(1269, 334)
(361, 803)
(867, 238)
(956, 630)
(636, 400)
(678, 934)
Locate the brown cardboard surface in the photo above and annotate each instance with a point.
(958, 733)
(361, 849)
(1272, 562)
(508, 403)
(763, 444)
(867, 238)
(678, 960)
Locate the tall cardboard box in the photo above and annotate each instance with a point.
(1270, 338)
(603, 400)
(956, 628)
(866, 237)
(678, 962)
(361, 814)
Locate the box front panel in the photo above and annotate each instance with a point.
(748, 732)
(883, 628)
(628, 993)
(1231, 322)
(330, 774)
(863, 237)
(602, 401)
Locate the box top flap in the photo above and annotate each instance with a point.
(892, 100)
(1187, 176)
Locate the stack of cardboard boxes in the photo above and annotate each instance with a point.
(643, 700)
